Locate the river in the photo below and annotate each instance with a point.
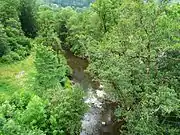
(99, 118)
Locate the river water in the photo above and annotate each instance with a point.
(99, 118)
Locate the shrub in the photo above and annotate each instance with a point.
(66, 109)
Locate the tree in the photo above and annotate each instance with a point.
(34, 115)
(84, 30)
(27, 17)
(127, 62)
(17, 119)
(62, 19)
(4, 48)
(66, 110)
(107, 11)
(17, 46)
(8, 9)
(49, 67)
(27, 113)
(46, 20)
(47, 34)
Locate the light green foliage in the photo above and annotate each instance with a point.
(50, 40)
(66, 110)
(35, 114)
(84, 28)
(19, 110)
(108, 12)
(62, 18)
(169, 68)
(46, 20)
(46, 34)
(49, 67)
(8, 10)
(75, 30)
(21, 100)
(127, 62)
(164, 101)
(26, 113)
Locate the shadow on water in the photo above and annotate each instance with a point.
(112, 126)
(79, 65)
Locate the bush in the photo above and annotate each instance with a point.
(15, 56)
(49, 67)
(9, 58)
(22, 114)
(21, 100)
(6, 59)
(59, 114)
(66, 109)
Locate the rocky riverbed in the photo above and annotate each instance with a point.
(98, 119)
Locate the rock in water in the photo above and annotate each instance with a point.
(91, 122)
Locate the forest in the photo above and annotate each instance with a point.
(75, 3)
(131, 50)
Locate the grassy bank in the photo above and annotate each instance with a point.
(15, 77)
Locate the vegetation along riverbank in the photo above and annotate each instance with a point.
(89, 67)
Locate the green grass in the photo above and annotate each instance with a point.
(10, 82)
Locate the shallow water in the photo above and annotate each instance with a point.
(99, 112)
(79, 65)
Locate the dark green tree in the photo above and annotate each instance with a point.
(62, 19)
(4, 47)
(27, 16)
(18, 46)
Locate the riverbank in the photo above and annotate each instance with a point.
(100, 118)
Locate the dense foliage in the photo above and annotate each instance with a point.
(26, 113)
(133, 50)
(135, 62)
(74, 3)
(15, 46)
(27, 17)
(50, 104)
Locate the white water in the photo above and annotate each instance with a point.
(91, 122)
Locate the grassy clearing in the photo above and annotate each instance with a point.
(14, 77)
